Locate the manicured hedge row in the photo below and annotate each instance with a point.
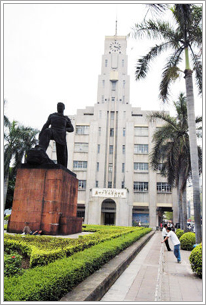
(51, 282)
(44, 250)
(179, 233)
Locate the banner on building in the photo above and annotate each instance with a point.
(109, 193)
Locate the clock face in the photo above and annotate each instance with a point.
(115, 46)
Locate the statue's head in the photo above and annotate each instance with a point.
(60, 107)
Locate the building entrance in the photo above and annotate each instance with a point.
(108, 212)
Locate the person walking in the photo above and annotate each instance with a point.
(173, 237)
(164, 234)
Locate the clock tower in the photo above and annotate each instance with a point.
(114, 83)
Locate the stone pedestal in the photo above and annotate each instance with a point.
(46, 198)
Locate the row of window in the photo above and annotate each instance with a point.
(162, 187)
(138, 148)
(138, 166)
(138, 131)
(114, 83)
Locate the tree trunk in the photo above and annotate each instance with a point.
(180, 202)
(184, 210)
(193, 154)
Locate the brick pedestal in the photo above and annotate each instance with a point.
(46, 198)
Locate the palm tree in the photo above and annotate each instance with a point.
(18, 139)
(182, 39)
(171, 149)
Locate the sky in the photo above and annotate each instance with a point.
(53, 53)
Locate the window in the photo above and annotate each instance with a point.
(138, 166)
(82, 185)
(106, 62)
(82, 129)
(111, 132)
(122, 184)
(100, 131)
(109, 184)
(97, 166)
(124, 132)
(112, 115)
(79, 164)
(98, 148)
(102, 98)
(141, 131)
(81, 147)
(123, 99)
(123, 167)
(97, 183)
(122, 62)
(141, 148)
(113, 86)
(110, 149)
(163, 187)
(103, 83)
(100, 114)
(159, 166)
(123, 149)
(140, 186)
(113, 99)
(124, 114)
(123, 83)
(110, 167)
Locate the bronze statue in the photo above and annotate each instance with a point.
(60, 124)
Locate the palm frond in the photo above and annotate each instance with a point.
(197, 67)
(170, 73)
(142, 66)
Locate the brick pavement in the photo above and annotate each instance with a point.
(154, 275)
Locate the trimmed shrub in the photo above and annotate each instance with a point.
(51, 282)
(179, 233)
(187, 240)
(12, 264)
(195, 259)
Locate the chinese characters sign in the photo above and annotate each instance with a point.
(109, 193)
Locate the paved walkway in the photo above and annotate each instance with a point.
(155, 276)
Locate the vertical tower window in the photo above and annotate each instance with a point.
(122, 62)
(110, 149)
(123, 167)
(123, 149)
(124, 83)
(98, 148)
(100, 131)
(103, 83)
(111, 132)
(124, 132)
(106, 62)
(97, 166)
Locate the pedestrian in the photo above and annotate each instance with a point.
(173, 237)
(164, 234)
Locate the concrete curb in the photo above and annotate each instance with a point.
(95, 286)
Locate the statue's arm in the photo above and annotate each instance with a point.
(69, 126)
(46, 125)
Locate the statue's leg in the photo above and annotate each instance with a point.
(61, 154)
(44, 138)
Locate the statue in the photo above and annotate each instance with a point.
(60, 124)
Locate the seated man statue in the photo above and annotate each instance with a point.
(60, 124)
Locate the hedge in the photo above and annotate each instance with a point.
(195, 259)
(53, 281)
(43, 250)
(187, 240)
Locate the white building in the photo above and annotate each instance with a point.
(109, 152)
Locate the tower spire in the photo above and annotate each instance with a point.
(116, 28)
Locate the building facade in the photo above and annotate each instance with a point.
(109, 151)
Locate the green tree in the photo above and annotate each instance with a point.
(18, 140)
(183, 38)
(172, 150)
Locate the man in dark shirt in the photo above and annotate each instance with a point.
(60, 124)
